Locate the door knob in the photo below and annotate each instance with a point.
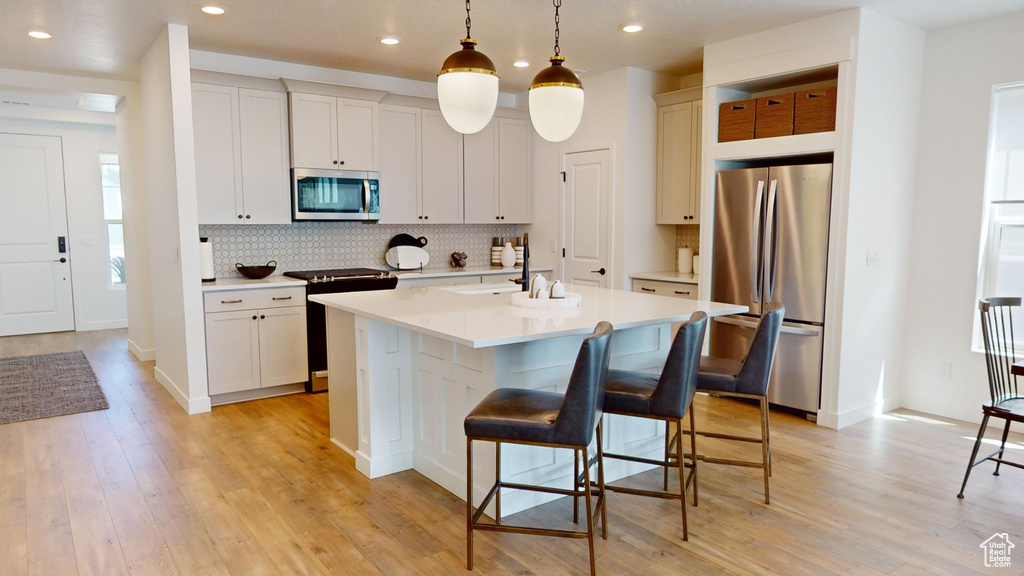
(601, 271)
(62, 260)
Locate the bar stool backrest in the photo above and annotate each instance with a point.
(581, 409)
(678, 382)
(997, 332)
(757, 364)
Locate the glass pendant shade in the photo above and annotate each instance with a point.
(467, 89)
(556, 102)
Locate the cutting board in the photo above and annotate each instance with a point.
(406, 257)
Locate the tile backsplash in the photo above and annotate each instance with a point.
(688, 236)
(322, 245)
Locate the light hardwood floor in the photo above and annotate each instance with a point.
(257, 488)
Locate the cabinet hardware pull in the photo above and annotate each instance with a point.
(247, 216)
(239, 216)
(254, 317)
(289, 297)
(230, 301)
(648, 289)
(262, 317)
(683, 293)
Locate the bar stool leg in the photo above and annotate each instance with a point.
(1006, 432)
(764, 446)
(469, 504)
(768, 434)
(693, 452)
(974, 454)
(668, 450)
(497, 478)
(576, 486)
(682, 479)
(600, 479)
(590, 510)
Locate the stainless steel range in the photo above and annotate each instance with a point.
(332, 282)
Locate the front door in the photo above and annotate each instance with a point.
(587, 218)
(35, 275)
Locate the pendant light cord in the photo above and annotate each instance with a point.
(469, 22)
(558, 4)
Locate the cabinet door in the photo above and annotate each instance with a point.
(399, 165)
(357, 135)
(441, 150)
(283, 346)
(264, 136)
(696, 153)
(233, 351)
(675, 165)
(314, 131)
(514, 189)
(218, 155)
(481, 175)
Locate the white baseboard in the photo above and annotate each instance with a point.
(146, 355)
(257, 394)
(347, 450)
(100, 325)
(378, 467)
(190, 405)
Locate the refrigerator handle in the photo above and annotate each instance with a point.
(771, 239)
(794, 330)
(755, 246)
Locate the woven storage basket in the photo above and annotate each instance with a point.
(774, 116)
(815, 111)
(736, 121)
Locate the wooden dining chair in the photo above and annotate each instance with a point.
(1007, 402)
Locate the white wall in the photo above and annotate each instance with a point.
(180, 338)
(619, 114)
(879, 214)
(962, 64)
(99, 305)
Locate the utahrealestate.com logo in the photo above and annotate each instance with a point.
(997, 550)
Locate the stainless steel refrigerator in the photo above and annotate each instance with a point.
(771, 244)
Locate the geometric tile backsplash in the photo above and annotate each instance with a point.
(688, 236)
(322, 245)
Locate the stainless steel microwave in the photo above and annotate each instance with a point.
(335, 195)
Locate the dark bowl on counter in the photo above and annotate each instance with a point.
(257, 272)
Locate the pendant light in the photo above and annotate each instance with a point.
(467, 87)
(556, 97)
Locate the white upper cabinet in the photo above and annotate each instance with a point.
(332, 133)
(441, 151)
(497, 174)
(679, 158)
(399, 164)
(241, 142)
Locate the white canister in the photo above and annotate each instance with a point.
(508, 255)
(538, 283)
(558, 289)
(685, 261)
(206, 271)
(542, 294)
(696, 265)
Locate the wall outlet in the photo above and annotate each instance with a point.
(872, 258)
(86, 241)
(945, 370)
(554, 246)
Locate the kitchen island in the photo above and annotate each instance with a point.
(406, 366)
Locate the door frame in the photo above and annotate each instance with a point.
(590, 146)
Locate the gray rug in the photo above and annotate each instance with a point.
(48, 385)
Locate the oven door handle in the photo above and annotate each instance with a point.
(366, 196)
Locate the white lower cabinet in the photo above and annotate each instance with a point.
(673, 289)
(256, 348)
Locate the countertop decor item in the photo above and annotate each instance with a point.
(407, 257)
(556, 97)
(458, 259)
(257, 272)
(467, 86)
(407, 240)
(523, 300)
(557, 290)
(508, 255)
(685, 264)
(206, 270)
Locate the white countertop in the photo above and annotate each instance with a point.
(250, 284)
(468, 271)
(485, 320)
(667, 277)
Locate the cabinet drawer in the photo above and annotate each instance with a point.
(672, 289)
(256, 298)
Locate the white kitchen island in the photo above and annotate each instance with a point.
(406, 366)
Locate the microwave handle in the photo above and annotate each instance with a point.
(366, 196)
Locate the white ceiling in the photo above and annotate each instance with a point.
(107, 38)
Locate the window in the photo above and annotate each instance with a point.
(110, 178)
(1002, 252)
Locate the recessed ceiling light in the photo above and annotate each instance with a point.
(40, 35)
(520, 63)
(213, 10)
(632, 28)
(389, 40)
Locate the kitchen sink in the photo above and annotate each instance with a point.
(505, 288)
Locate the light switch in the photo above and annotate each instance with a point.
(554, 246)
(872, 259)
(86, 241)
(176, 255)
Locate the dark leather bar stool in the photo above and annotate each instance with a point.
(1000, 357)
(537, 418)
(747, 378)
(666, 397)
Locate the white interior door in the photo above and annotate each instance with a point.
(587, 218)
(35, 284)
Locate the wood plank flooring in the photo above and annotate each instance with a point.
(257, 488)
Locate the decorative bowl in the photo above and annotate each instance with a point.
(257, 272)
